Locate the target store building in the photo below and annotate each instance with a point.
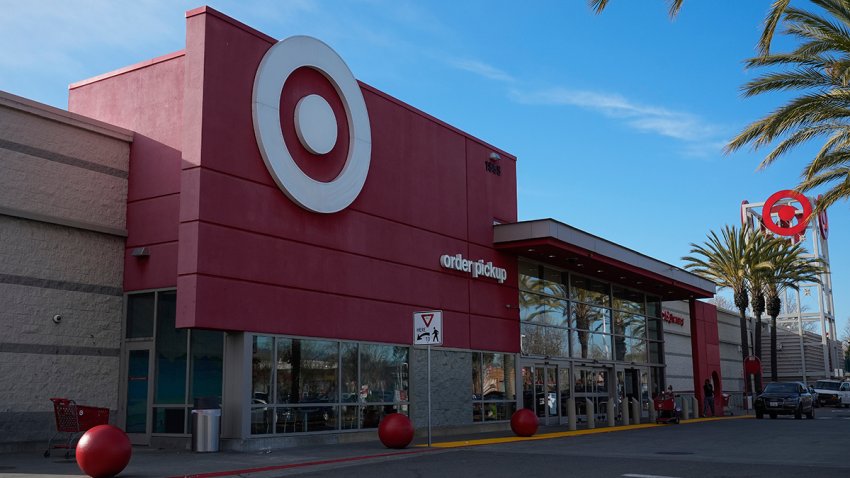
(284, 222)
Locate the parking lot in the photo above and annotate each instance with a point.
(783, 447)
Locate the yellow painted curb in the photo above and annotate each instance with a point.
(548, 436)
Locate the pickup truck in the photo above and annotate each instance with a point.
(833, 392)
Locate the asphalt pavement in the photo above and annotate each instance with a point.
(727, 447)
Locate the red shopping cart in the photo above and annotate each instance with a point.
(74, 420)
(665, 407)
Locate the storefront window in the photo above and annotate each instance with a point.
(140, 315)
(493, 386)
(592, 346)
(170, 383)
(656, 354)
(261, 369)
(188, 363)
(628, 300)
(653, 306)
(593, 319)
(314, 378)
(207, 348)
(635, 350)
(655, 329)
(349, 366)
(632, 325)
(589, 291)
(539, 340)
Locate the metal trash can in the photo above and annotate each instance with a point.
(206, 425)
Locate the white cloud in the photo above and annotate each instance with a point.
(651, 119)
(481, 69)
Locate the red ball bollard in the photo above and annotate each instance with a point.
(103, 451)
(395, 431)
(524, 422)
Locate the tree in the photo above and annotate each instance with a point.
(788, 267)
(819, 69)
(770, 22)
(725, 261)
(761, 253)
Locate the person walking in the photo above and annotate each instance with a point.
(708, 401)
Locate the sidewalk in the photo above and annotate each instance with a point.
(147, 462)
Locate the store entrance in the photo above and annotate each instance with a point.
(592, 387)
(138, 360)
(545, 390)
(633, 386)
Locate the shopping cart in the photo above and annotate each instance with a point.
(665, 407)
(74, 420)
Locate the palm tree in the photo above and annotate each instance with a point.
(726, 260)
(770, 22)
(819, 69)
(757, 279)
(789, 267)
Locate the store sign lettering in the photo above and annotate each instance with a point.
(474, 268)
(672, 319)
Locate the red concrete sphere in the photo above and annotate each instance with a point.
(395, 431)
(524, 422)
(103, 451)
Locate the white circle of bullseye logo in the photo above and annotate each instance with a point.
(315, 123)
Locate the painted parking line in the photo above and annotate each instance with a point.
(633, 475)
(549, 436)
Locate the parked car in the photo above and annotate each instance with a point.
(815, 399)
(833, 392)
(785, 398)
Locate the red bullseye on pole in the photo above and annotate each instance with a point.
(786, 213)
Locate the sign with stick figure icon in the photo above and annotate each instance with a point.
(428, 328)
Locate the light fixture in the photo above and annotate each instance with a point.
(531, 250)
(495, 156)
(551, 256)
(599, 271)
(141, 252)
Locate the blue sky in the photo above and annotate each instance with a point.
(618, 120)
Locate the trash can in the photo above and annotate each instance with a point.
(206, 425)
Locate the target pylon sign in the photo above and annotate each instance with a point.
(315, 125)
(786, 213)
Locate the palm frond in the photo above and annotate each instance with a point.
(770, 23)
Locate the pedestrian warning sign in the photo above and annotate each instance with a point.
(428, 328)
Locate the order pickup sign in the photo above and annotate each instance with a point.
(428, 328)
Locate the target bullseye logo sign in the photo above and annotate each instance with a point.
(786, 213)
(315, 124)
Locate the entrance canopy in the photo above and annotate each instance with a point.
(558, 244)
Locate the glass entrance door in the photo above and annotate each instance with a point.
(633, 384)
(138, 386)
(544, 391)
(592, 384)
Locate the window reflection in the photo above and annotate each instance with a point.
(590, 291)
(494, 387)
(307, 377)
(588, 345)
(593, 319)
(628, 300)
